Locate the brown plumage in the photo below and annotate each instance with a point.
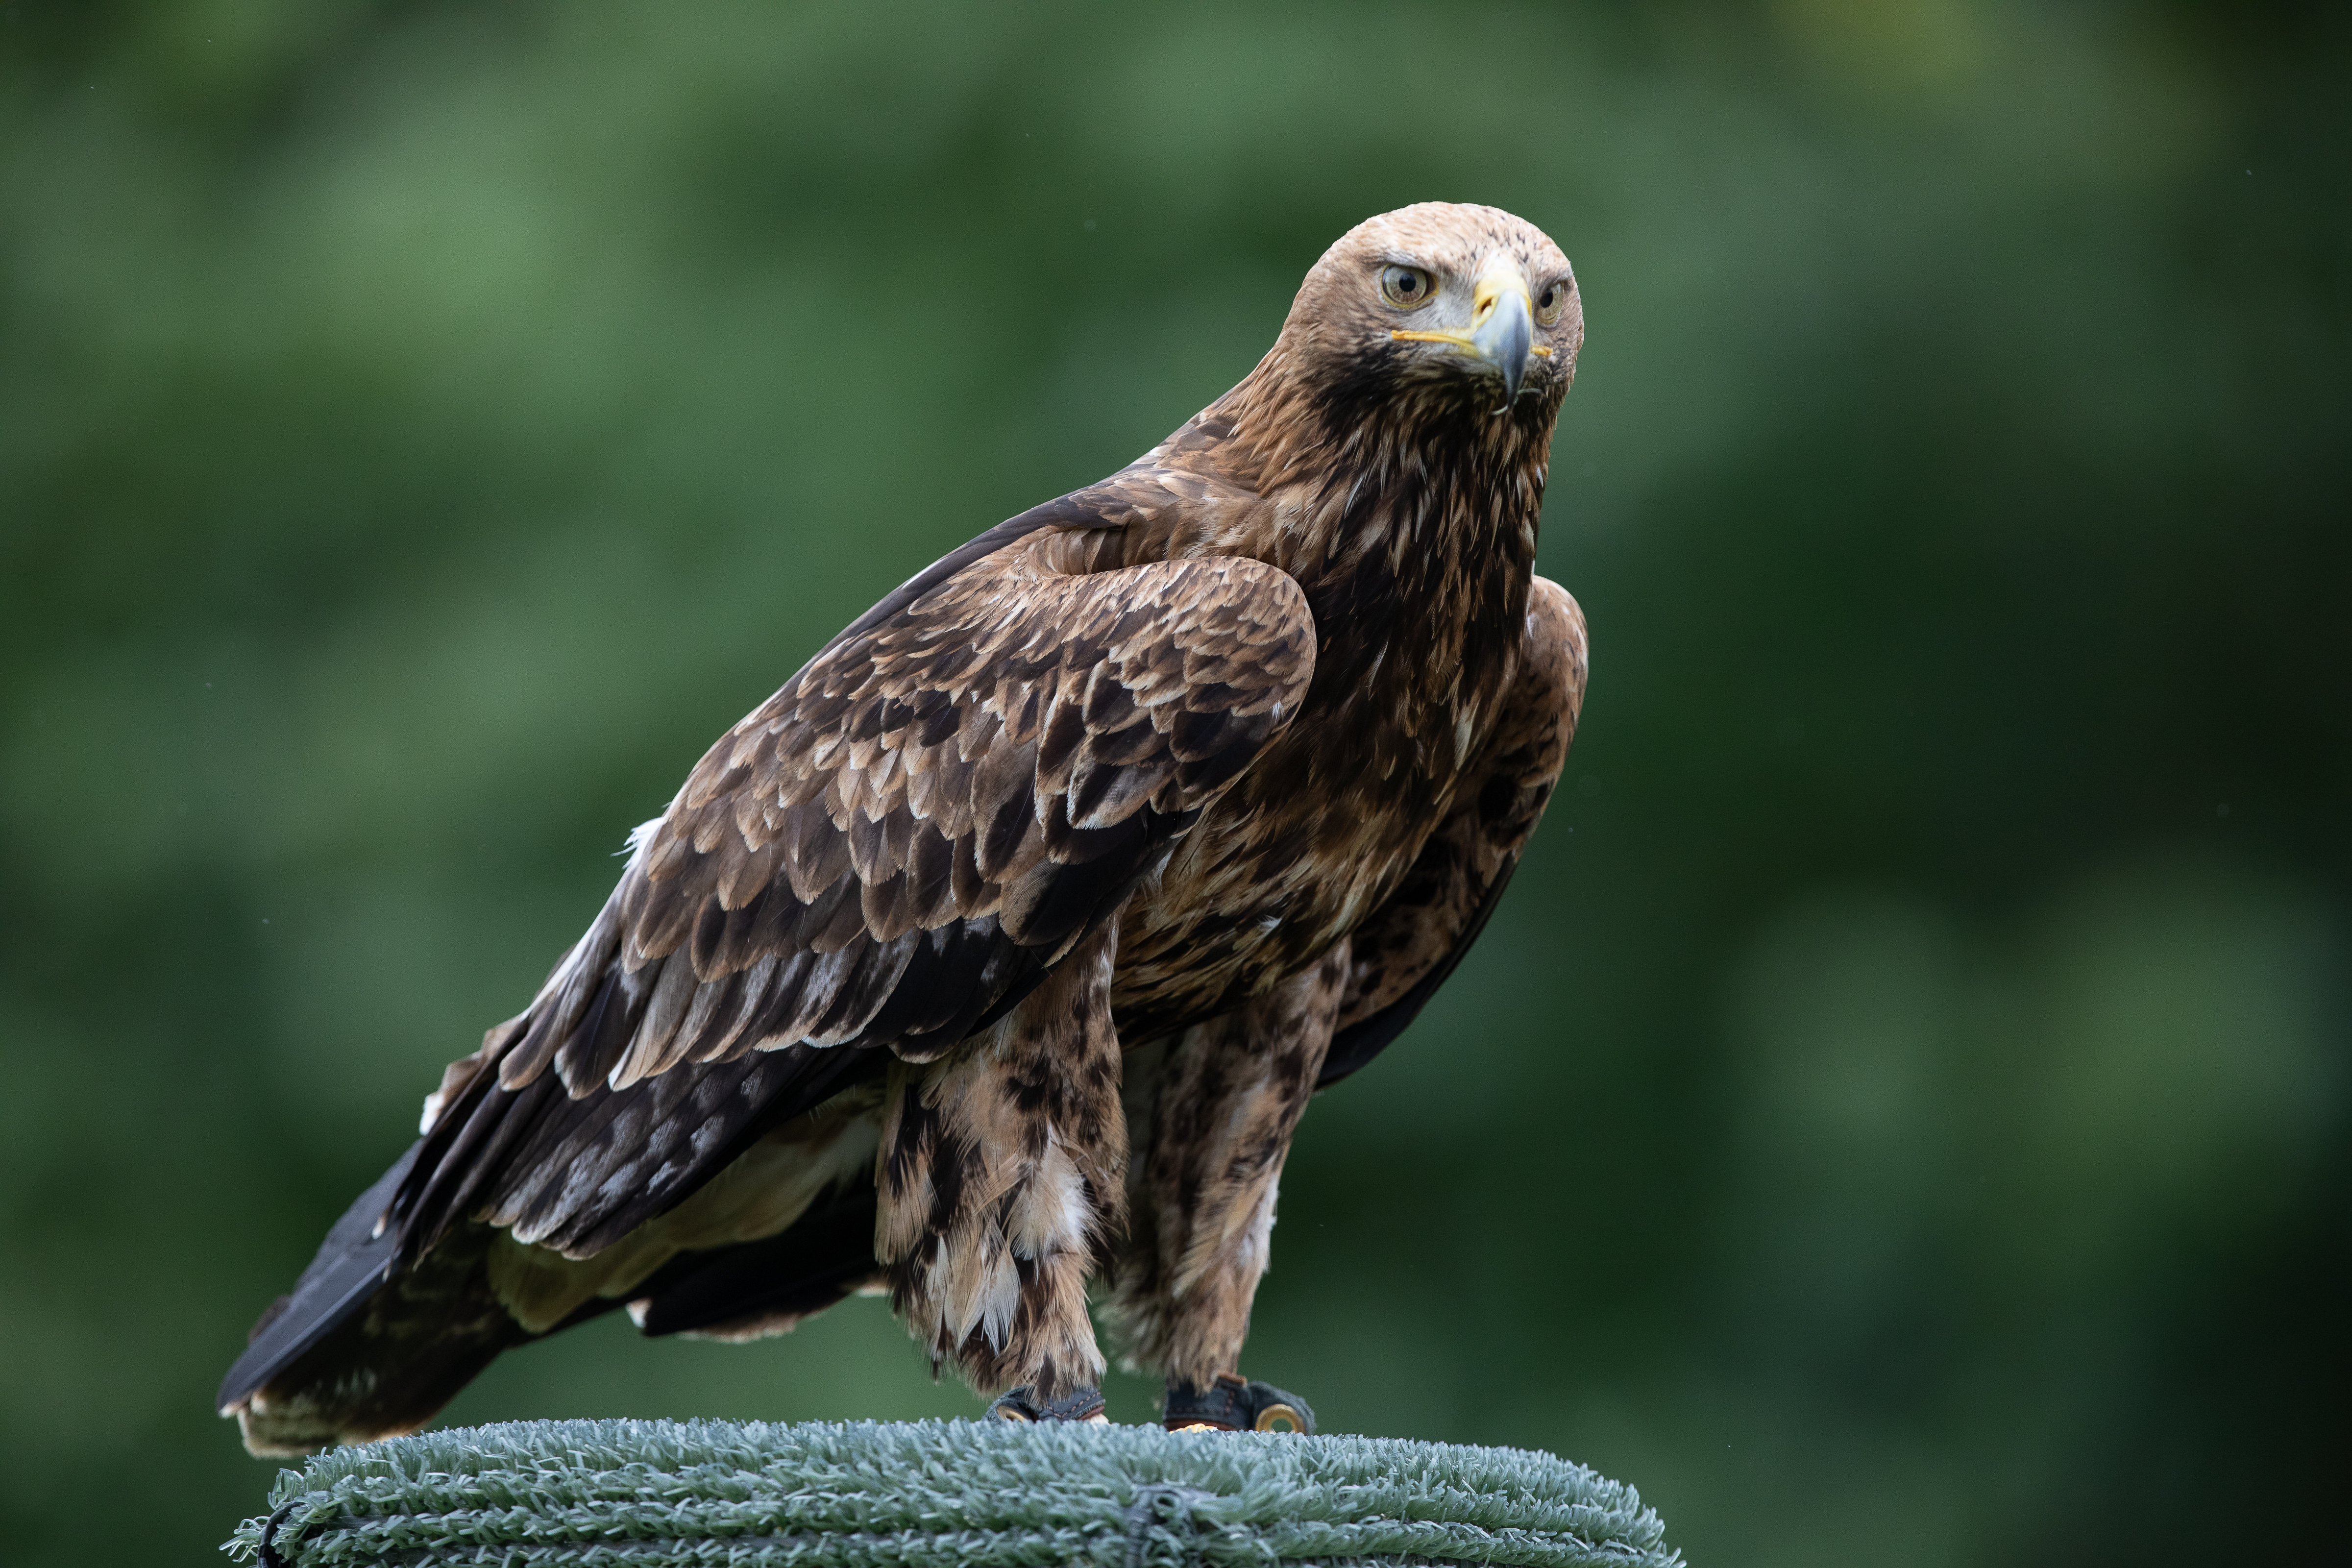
(1124, 826)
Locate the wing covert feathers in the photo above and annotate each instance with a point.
(889, 851)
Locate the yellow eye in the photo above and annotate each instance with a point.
(1407, 287)
(1552, 299)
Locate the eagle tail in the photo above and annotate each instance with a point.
(347, 1271)
(366, 1346)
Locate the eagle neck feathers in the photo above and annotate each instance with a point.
(1408, 515)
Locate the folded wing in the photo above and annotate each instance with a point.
(891, 851)
(1410, 945)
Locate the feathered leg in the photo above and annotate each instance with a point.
(1230, 1095)
(1002, 1171)
(1227, 1094)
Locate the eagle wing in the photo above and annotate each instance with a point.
(891, 851)
(1410, 945)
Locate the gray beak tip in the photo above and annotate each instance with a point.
(1506, 338)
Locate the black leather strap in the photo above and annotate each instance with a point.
(1021, 1404)
(1231, 1404)
(1159, 1527)
(269, 1554)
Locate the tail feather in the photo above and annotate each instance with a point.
(370, 1346)
(391, 1365)
(366, 1346)
(349, 1268)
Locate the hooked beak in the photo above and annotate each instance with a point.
(1502, 327)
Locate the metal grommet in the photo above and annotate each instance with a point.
(1280, 1418)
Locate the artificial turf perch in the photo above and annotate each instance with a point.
(955, 1494)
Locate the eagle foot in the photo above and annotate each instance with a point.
(1229, 1404)
(1022, 1404)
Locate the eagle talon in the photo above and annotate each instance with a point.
(1231, 1404)
(1022, 1404)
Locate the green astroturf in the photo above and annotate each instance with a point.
(641, 1493)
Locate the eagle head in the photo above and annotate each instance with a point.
(1441, 309)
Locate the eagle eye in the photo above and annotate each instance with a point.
(1552, 300)
(1407, 287)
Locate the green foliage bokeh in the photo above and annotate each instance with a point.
(1898, 1115)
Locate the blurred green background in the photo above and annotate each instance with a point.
(1899, 1115)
